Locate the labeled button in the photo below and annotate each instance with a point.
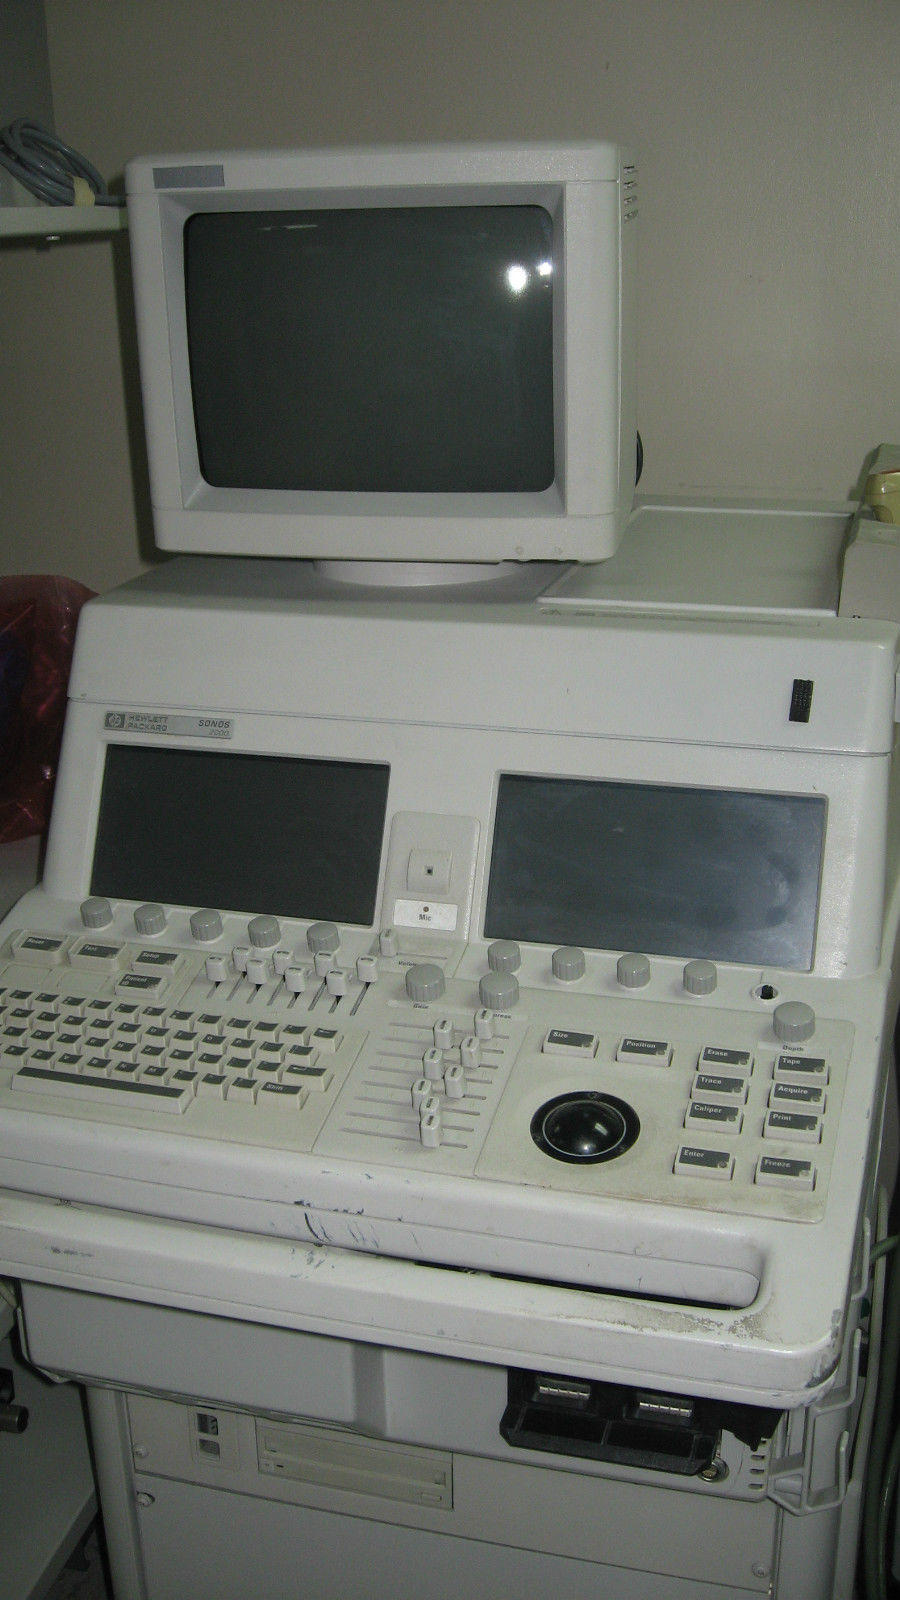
(785, 1172)
(143, 983)
(718, 1088)
(657, 1052)
(809, 1095)
(566, 1042)
(717, 1056)
(708, 1114)
(800, 1069)
(286, 1095)
(694, 1161)
(798, 1127)
(39, 949)
(93, 956)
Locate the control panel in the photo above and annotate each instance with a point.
(580, 1075)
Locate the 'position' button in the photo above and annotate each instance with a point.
(656, 1052)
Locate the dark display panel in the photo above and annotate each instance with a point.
(723, 874)
(407, 349)
(298, 838)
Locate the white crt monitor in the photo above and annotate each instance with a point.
(388, 353)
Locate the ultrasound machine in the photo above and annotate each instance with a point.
(446, 1089)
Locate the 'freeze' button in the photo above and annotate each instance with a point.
(785, 1172)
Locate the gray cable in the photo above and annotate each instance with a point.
(47, 167)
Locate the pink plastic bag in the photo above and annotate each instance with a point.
(38, 616)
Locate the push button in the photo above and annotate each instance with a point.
(796, 1126)
(566, 1042)
(717, 1057)
(693, 1161)
(719, 1088)
(655, 1052)
(785, 1172)
(801, 1069)
(706, 1115)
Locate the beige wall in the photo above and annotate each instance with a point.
(767, 134)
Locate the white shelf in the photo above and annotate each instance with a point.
(59, 222)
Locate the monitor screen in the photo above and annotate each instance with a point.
(400, 354)
(730, 875)
(241, 832)
(382, 349)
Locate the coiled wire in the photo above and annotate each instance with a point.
(49, 169)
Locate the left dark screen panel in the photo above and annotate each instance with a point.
(296, 837)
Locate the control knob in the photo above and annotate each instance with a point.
(504, 955)
(265, 932)
(96, 912)
(206, 925)
(150, 918)
(633, 971)
(425, 982)
(794, 1021)
(700, 977)
(568, 963)
(499, 991)
(323, 938)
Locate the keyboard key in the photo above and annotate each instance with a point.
(109, 1091)
(695, 1162)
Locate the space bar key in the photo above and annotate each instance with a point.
(102, 1091)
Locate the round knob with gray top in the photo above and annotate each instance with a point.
(568, 963)
(265, 932)
(323, 937)
(633, 971)
(206, 925)
(700, 977)
(499, 991)
(96, 912)
(150, 918)
(504, 955)
(794, 1021)
(425, 982)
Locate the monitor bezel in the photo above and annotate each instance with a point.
(579, 517)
